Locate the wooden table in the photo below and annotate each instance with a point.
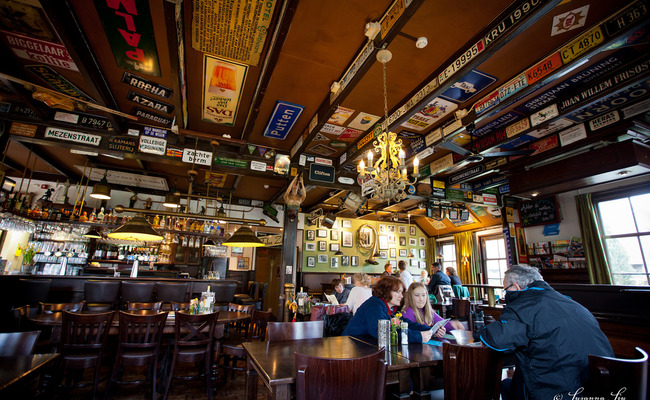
(273, 362)
(14, 371)
(490, 291)
(427, 375)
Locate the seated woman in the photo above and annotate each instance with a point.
(417, 308)
(453, 276)
(340, 292)
(360, 292)
(386, 298)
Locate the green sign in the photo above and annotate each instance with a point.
(129, 30)
(57, 81)
(231, 162)
(425, 171)
(455, 195)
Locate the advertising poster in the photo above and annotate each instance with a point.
(39, 50)
(233, 29)
(340, 115)
(468, 86)
(363, 121)
(222, 85)
(129, 31)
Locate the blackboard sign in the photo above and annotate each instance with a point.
(541, 211)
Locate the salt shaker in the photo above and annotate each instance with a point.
(404, 327)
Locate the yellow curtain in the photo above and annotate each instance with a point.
(467, 249)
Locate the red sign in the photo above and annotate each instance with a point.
(544, 68)
(39, 50)
(548, 143)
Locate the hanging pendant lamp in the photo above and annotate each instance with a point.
(101, 190)
(243, 237)
(137, 228)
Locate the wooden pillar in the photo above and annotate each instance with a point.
(288, 266)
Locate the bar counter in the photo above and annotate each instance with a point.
(68, 289)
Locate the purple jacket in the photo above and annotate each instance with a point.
(410, 314)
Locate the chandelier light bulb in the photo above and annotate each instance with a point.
(416, 164)
(370, 158)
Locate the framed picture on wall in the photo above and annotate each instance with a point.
(242, 263)
(392, 239)
(355, 261)
(383, 254)
(334, 234)
(393, 252)
(310, 246)
(322, 245)
(423, 253)
(402, 241)
(237, 251)
(413, 231)
(322, 258)
(402, 252)
(310, 235)
(413, 242)
(346, 223)
(383, 242)
(322, 233)
(393, 263)
(415, 263)
(423, 241)
(382, 228)
(346, 239)
(414, 252)
(311, 261)
(401, 229)
(423, 264)
(334, 247)
(334, 262)
(345, 261)
(391, 228)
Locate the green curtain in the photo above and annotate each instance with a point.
(592, 241)
(467, 246)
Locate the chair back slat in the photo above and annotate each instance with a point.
(50, 308)
(295, 330)
(85, 331)
(335, 378)
(609, 375)
(259, 322)
(195, 330)
(241, 308)
(141, 330)
(155, 305)
(471, 372)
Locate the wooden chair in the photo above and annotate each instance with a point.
(249, 294)
(232, 349)
(471, 372)
(50, 308)
(295, 330)
(19, 317)
(340, 378)
(83, 344)
(609, 375)
(141, 292)
(461, 311)
(258, 301)
(138, 344)
(168, 292)
(174, 306)
(193, 341)
(155, 306)
(240, 328)
(18, 343)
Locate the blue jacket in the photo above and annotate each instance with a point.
(439, 278)
(366, 318)
(551, 336)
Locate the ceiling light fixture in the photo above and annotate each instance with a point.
(172, 200)
(137, 228)
(387, 178)
(243, 237)
(101, 190)
(92, 234)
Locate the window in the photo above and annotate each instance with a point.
(496, 259)
(625, 226)
(448, 255)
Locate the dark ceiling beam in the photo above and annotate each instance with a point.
(38, 151)
(285, 17)
(169, 11)
(64, 19)
(329, 106)
(496, 44)
(16, 170)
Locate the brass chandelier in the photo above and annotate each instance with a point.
(387, 178)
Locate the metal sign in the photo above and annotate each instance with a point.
(58, 82)
(72, 136)
(139, 112)
(321, 173)
(465, 175)
(155, 132)
(20, 129)
(124, 144)
(146, 85)
(39, 50)
(199, 157)
(150, 102)
(153, 145)
(282, 120)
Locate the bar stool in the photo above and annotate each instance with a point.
(34, 291)
(140, 292)
(193, 338)
(168, 292)
(224, 294)
(258, 302)
(101, 295)
(252, 292)
(138, 345)
(155, 306)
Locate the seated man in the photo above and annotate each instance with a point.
(438, 278)
(550, 334)
(340, 292)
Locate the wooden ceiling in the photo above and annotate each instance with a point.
(305, 47)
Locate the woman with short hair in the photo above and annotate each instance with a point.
(360, 292)
(386, 299)
(453, 276)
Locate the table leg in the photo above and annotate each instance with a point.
(282, 392)
(252, 380)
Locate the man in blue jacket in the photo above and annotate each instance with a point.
(550, 334)
(437, 278)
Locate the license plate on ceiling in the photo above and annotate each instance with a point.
(586, 42)
(461, 61)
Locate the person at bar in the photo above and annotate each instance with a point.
(340, 292)
(388, 270)
(437, 278)
(453, 276)
(417, 308)
(360, 292)
(550, 335)
(387, 295)
(404, 274)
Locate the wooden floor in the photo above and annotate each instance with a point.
(180, 390)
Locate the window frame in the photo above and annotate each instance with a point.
(484, 258)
